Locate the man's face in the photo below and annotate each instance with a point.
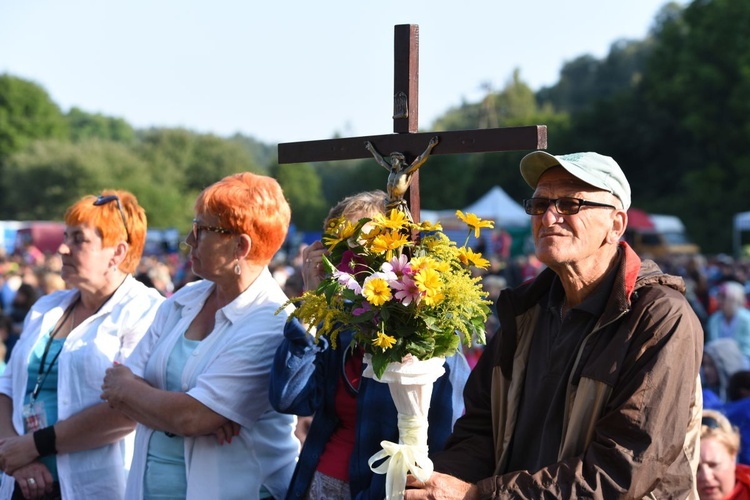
(572, 240)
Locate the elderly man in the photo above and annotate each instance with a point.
(590, 389)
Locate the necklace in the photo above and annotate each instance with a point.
(69, 315)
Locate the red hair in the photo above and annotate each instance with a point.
(250, 204)
(108, 222)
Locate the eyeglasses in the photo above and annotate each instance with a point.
(564, 206)
(103, 200)
(197, 228)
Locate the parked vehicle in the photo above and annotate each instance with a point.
(658, 235)
(46, 236)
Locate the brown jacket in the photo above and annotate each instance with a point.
(633, 418)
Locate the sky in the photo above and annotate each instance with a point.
(285, 71)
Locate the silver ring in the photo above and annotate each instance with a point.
(31, 481)
(308, 260)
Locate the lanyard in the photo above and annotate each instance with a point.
(42, 376)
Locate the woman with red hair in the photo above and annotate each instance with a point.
(57, 438)
(198, 382)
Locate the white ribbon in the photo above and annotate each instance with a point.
(401, 459)
(410, 384)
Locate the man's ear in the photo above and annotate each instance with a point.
(619, 223)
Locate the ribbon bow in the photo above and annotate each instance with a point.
(401, 459)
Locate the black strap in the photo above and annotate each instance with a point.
(41, 378)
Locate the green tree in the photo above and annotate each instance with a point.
(47, 177)
(262, 154)
(302, 188)
(214, 158)
(696, 98)
(85, 125)
(454, 181)
(26, 113)
(193, 161)
(587, 80)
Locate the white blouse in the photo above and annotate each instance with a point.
(228, 372)
(107, 336)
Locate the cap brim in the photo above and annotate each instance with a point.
(533, 165)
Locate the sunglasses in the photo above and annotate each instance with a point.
(198, 228)
(103, 200)
(710, 422)
(564, 206)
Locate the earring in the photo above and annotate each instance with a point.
(237, 268)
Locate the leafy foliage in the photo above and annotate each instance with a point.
(302, 188)
(673, 110)
(26, 114)
(85, 125)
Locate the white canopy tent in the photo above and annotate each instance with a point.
(498, 206)
(741, 223)
(495, 205)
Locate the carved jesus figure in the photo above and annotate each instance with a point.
(400, 174)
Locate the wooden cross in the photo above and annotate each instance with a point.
(405, 138)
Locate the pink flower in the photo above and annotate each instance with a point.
(399, 265)
(407, 291)
(347, 280)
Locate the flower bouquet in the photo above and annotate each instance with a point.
(409, 294)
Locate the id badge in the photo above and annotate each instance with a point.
(34, 416)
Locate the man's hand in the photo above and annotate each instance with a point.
(439, 487)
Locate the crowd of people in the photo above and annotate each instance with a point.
(179, 376)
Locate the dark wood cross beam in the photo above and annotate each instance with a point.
(405, 138)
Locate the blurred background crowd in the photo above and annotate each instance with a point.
(717, 286)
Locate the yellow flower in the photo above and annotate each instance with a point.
(474, 222)
(388, 242)
(421, 263)
(338, 231)
(428, 281)
(376, 291)
(383, 341)
(368, 234)
(469, 258)
(442, 266)
(434, 299)
(428, 226)
(395, 220)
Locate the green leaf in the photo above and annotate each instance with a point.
(379, 363)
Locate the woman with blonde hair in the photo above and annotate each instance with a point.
(58, 440)
(198, 382)
(719, 475)
(351, 414)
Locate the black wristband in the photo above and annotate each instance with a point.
(45, 441)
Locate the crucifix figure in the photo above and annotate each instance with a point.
(406, 142)
(400, 175)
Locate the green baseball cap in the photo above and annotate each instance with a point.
(592, 168)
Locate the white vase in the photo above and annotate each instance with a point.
(410, 383)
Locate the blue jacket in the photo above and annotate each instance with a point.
(303, 382)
